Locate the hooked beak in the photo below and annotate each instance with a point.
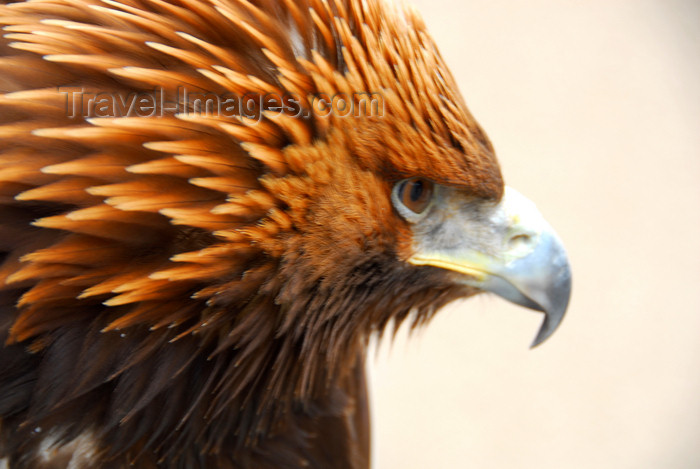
(516, 255)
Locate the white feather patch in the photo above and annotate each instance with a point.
(297, 41)
(81, 451)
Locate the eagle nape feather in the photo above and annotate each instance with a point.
(208, 207)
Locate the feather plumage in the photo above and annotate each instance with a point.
(193, 290)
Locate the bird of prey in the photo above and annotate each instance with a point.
(207, 209)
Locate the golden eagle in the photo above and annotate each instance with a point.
(208, 207)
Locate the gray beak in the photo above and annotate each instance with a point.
(516, 255)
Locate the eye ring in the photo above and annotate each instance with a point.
(412, 197)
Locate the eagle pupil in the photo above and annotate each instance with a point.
(416, 190)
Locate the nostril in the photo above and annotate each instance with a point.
(519, 241)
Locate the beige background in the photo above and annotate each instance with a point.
(594, 109)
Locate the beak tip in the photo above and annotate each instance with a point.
(544, 333)
(554, 315)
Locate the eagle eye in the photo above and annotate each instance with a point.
(414, 194)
